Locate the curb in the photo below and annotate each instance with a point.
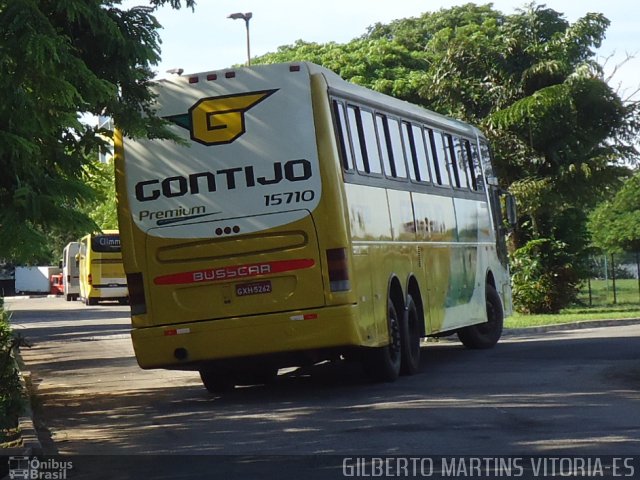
(27, 297)
(28, 434)
(572, 326)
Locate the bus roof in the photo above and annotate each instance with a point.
(338, 86)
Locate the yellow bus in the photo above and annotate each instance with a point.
(302, 219)
(100, 268)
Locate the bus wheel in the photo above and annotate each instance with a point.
(69, 297)
(90, 301)
(410, 339)
(485, 335)
(217, 382)
(383, 363)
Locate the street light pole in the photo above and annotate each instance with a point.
(246, 17)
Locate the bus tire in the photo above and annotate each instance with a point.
(217, 382)
(410, 339)
(383, 363)
(69, 297)
(485, 335)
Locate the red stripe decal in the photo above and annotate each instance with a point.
(233, 272)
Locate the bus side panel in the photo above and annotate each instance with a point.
(465, 297)
(437, 233)
(374, 256)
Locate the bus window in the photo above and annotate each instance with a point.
(485, 161)
(413, 139)
(355, 126)
(396, 146)
(476, 169)
(411, 149)
(463, 164)
(440, 155)
(421, 152)
(371, 142)
(453, 165)
(433, 163)
(343, 136)
(385, 147)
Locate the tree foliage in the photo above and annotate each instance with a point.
(60, 60)
(615, 223)
(541, 268)
(103, 210)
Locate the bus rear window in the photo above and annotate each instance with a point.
(105, 243)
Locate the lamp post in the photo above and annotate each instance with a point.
(246, 17)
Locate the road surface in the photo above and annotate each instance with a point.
(566, 392)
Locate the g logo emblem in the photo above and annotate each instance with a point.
(219, 120)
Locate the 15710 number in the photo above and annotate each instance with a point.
(288, 197)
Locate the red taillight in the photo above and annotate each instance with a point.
(136, 294)
(338, 264)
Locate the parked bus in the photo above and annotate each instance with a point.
(101, 270)
(71, 271)
(305, 218)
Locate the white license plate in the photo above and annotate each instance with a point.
(253, 288)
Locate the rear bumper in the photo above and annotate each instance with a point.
(188, 345)
(106, 292)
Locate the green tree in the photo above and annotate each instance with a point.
(615, 223)
(103, 210)
(60, 60)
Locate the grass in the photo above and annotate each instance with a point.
(627, 292)
(627, 306)
(575, 314)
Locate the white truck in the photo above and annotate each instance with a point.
(34, 279)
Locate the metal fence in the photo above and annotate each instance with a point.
(615, 280)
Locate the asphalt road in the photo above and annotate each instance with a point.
(567, 392)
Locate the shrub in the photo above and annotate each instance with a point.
(544, 277)
(11, 394)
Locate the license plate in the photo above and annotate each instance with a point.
(253, 288)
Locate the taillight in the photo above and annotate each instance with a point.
(338, 264)
(136, 294)
(89, 279)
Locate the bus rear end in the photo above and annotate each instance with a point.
(102, 275)
(229, 264)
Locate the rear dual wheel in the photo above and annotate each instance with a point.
(402, 354)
